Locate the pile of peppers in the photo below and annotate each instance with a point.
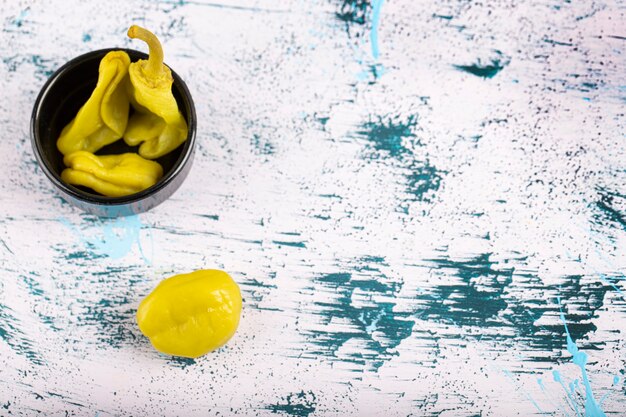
(157, 126)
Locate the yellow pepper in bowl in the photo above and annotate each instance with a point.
(191, 314)
(111, 175)
(157, 124)
(103, 118)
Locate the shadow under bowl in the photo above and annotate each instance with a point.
(62, 96)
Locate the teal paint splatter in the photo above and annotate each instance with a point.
(33, 285)
(209, 216)
(493, 304)
(376, 324)
(376, 7)
(393, 141)
(11, 333)
(180, 362)
(354, 11)
(86, 37)
(298, 404)
(465, 303)
(43, 67)
(255, 290)
(486, 70)
(606, 204)
(423, 180)
(262, 145)
(592, 408)
(559, 43)
(391, 136)
(292, 244)
(112, 317)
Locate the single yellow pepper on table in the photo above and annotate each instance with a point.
(103, 118)
(158, 125)
(111, 175)
(191, 314)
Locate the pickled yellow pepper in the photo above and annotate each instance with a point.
(103, 118)
(157, 124)
(111, 175)
(191, 314)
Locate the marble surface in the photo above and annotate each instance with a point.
(424, 204)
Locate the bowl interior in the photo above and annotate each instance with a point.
(66, 92)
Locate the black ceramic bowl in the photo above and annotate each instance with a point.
(57, 104)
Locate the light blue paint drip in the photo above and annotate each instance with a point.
(363, 75)
(115, 237)
(19, 19)
(118, 236)
(592, 408)
(545, 391)
(605, 396)
(557, 378)
(376, 6)
(372, 326)
(615, 287)
(532, 400)
(540, 382)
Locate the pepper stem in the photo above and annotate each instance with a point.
(155, 57)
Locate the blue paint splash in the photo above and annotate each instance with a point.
(113, 238)
(298, 404)
(376, 7)
(19, 19)
(592, 408)
(526, 393)
(557, 378)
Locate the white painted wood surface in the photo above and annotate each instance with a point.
(405, 230)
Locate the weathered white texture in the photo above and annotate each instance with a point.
(402, 229)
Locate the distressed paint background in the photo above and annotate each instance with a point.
(423, 202)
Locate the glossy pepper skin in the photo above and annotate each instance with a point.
(157, 124)
(103, 118)
(191, 314)
(111, 175)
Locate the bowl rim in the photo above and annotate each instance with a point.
(186, 155)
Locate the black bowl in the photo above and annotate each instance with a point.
(57, 104)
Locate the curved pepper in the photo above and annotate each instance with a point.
(191, 314)
(111, 175)
(158, 124)
(103, 118)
